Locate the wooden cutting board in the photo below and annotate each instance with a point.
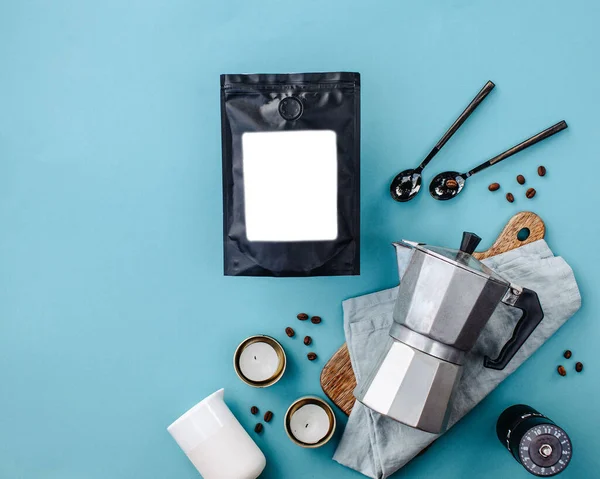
(337, 378)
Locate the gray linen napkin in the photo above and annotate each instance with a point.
(378, 446)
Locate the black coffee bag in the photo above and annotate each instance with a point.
(291, 174)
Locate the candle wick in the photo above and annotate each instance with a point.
(306, 426)
(255, 358)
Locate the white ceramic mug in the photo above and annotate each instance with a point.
(216, 443)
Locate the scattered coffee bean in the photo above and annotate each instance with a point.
(258, 428)
(307, 340)
(494, 187)
(561, 370)
(521, 179)
(578, 367)
(254, 410)
(290, 332)
(509, 197)
(530, 193)
(315, 319)
(451, 184)
(302, 316)
(311, 356)
(567, 354)
(542, 170)
(268, 416)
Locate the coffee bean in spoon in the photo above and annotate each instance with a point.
(446, 185)
(452, 184)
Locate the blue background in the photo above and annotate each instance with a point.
(115, 316)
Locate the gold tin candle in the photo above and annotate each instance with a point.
(259, 361)
(310, 422)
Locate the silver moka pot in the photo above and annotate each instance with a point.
(444, 300)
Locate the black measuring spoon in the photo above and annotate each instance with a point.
(407, 183)
(447, 185)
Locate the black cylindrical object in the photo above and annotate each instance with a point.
(536, 442)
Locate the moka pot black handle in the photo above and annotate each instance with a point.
(529, 303)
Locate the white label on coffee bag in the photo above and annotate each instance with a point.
(290, 185)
